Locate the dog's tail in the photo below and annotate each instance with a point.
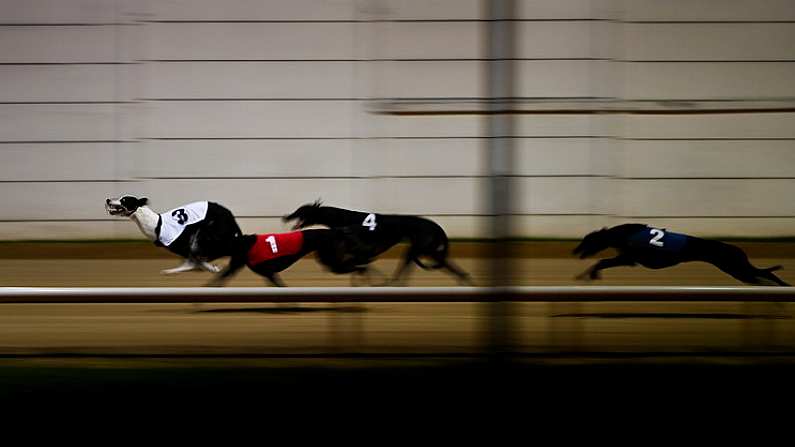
(772, 269)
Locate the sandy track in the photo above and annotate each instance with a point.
(380, 328)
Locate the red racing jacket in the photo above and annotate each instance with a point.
(274, 245)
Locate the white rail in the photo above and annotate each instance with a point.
(391, 294)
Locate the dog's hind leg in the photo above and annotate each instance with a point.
(741, 269)
(366, 273)
(461, 276)
(274, 279)
(768, 276)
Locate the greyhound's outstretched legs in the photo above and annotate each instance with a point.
(461, 276)
(402, 273)
(186, 266)
(592, 272)
(767, 274)
(366, 275)
(275, 280)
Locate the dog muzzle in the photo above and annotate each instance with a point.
(115, 209)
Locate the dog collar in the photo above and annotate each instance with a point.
(157, 231)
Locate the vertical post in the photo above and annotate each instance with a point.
(500, 43)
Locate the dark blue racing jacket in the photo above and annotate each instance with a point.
(658, 240)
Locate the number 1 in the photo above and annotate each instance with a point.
(272, 240)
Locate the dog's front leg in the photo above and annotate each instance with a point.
(592, 272)
(207, 267)
(186, 266)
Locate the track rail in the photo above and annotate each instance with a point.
(9, 295)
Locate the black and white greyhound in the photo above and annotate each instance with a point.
(657, 248)
(199, 232)
(425, 237)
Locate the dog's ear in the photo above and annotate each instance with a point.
(143, 201)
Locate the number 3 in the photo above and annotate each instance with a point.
(181, 216)
(658, 234)
(272, 240)
(369, 221)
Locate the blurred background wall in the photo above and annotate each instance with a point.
(677, 113)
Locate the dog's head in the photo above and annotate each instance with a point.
(593, 243)
(305, 215)
(124, 205)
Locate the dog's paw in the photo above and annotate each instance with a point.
(212, 268)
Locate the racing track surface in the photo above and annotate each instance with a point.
(410, 328)
(82, 348)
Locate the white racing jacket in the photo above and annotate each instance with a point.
(174, 222)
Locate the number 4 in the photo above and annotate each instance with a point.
(658, 234)
(369, 221)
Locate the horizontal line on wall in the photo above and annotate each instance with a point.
(518, 100)
(451, 137)
(64, 141)
(388, 20)
(376, 20)
(712, 139)
(785, 216)
(384, 60)
(67, 24)
(405, 100)
(685, 61)
(60, 220)
(68, 63)
(480, 59)
(470, 20)
(62, 102)
(387, 177)
(71, 181)
(585, 112)
(376, 177)
(696, 22)
(707, 178)
(529, 59)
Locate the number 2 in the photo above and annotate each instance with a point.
(369, 221)
(658, 234)
(272, 240)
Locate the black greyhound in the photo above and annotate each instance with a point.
(425, 237)
(270, 253)
(656, 248)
